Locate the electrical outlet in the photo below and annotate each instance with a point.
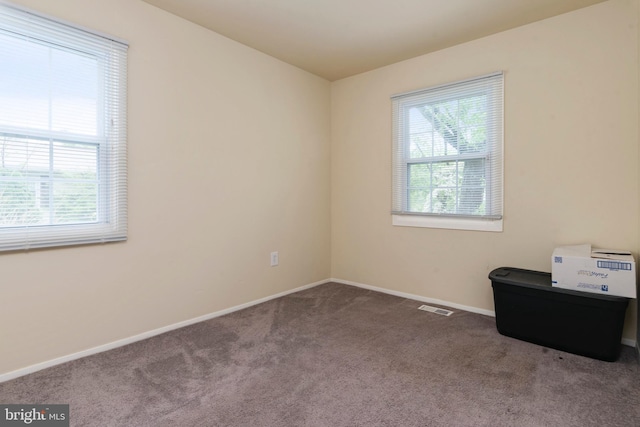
(274, 259)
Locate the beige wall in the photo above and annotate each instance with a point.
(228, 161)
(571, 157)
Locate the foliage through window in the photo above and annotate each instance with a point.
(62, 133)
(448, 150)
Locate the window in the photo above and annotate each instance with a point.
(447, 156)
(62, 134)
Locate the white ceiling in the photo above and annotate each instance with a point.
(340, 38)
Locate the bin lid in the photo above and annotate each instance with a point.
(541, 280)
(518, 276)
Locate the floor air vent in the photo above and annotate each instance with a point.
(436, 310)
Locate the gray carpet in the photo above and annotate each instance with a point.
(337, 355)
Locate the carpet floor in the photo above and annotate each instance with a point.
(337, 355)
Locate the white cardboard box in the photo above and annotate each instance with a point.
(601, 271)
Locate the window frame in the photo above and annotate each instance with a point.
(493, 156)
(109, 140)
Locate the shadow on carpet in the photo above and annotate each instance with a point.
(337, 355)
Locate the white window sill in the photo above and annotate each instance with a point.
(447, 222)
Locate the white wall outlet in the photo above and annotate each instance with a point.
(274, 259)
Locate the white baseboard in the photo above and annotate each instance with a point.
(629, 342)
(143, 336)
(418, 297)
(625, 341)
(125, 341)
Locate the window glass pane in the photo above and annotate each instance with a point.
(433, 187)
(19, 203)
(419, 200)
(24, 166)
(472, 201)
(419, 175)
(445, 174)
(23, 157)
(47, 88)
(472, 139)
(30, 168)
(75, 161)
(24, 89)
(420, 135)
(444, 118)
(472, 124)
(456, 187)
(74, 97)
(74, 202)
(449, 128)
(75, 189)
(472, 188)
(444, 200)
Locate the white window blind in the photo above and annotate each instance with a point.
(447, 150)
(63, 130)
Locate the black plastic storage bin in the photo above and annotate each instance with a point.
(530, 309)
